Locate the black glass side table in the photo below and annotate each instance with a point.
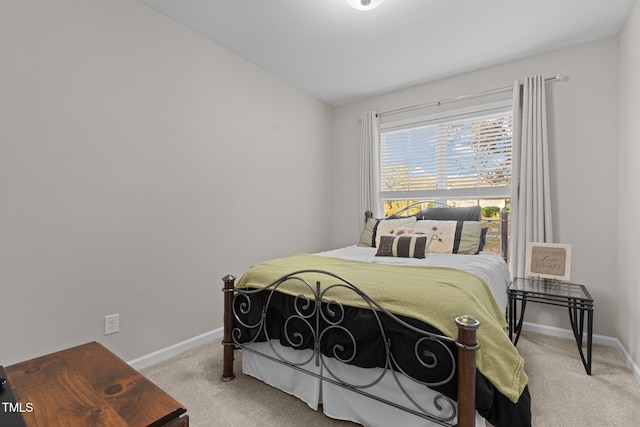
(553, 292)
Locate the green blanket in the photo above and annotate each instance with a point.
(434, 295)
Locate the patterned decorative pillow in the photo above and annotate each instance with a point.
(368, 237)
(389, 227)
(402, 246)
(468, 237)
(441, 235)
(483, 238)
(452, 237)
(406, 231)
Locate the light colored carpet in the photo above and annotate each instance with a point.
(562, 395)
(561, 392)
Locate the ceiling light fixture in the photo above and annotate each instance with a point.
(364, 4)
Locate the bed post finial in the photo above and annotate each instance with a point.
(367, 215)
(227, 342)
(467, 346)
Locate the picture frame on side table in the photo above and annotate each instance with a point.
(548, 261)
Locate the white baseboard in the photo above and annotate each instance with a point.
(597, 339)
(567, 333)
(173, 350)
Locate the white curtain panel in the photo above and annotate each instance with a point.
(530, 198)
(370, 163)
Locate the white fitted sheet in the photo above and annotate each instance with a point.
(337, 402)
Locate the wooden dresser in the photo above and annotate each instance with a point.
(88, 386)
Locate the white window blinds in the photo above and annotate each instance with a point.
(463, 154)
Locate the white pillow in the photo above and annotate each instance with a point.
(441, 235)
(388, 227)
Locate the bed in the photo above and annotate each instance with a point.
(407, 327)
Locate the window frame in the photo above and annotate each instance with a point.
(444, 194)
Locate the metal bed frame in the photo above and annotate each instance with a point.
(320, 313)
(321, 309)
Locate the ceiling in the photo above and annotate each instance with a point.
(340, 55)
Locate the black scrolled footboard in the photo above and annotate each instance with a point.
(317, 320)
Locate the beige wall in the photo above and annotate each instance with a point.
(628, 291)
(139, 164)
(583, 131)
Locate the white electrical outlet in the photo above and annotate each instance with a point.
(111, 324)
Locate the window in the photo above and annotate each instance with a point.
(458, 158)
